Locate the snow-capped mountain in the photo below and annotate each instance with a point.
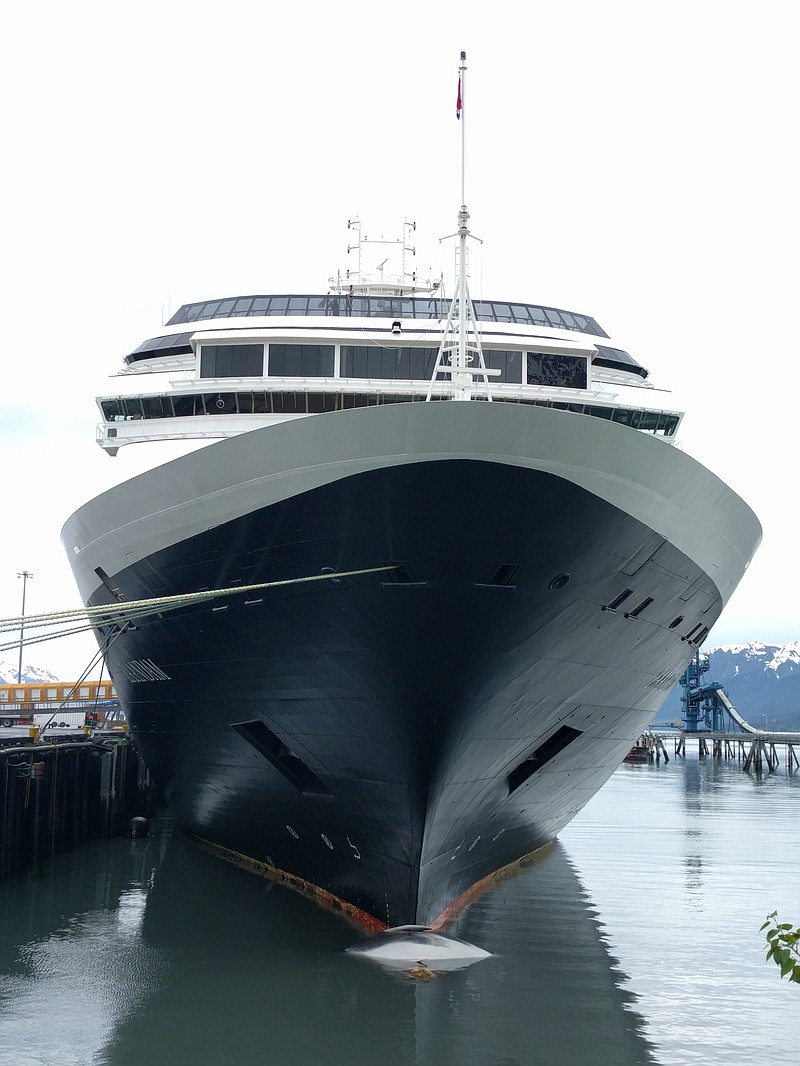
(756, 659)
(762, 682)
(8, 673)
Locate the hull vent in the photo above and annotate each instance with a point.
(282, 758)
(543, 754)
(615, 603)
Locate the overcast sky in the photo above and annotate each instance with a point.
(636, 162)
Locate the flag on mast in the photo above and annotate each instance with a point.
(458, 99)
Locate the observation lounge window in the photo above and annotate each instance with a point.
(557, 371)
(407, 306)
(508, 363)
(400, 364)
(301, 360)
(231, 360)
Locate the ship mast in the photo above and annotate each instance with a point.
(461, 344)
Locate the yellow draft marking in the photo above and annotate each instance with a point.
(357, 917)
(490, 881)
(360, 918)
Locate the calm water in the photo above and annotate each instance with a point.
(636, 940)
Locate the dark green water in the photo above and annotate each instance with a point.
(635, 941)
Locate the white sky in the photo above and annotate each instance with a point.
(636, 162)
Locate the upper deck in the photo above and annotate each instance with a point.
(347, 305)
(248, 361)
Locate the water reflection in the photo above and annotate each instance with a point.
(151, 951)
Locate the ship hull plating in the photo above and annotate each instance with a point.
(390, 739)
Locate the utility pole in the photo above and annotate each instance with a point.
(25, 577)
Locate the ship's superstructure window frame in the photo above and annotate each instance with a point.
(508, 362)
(301, 360)
(302, 402)
(556, 370)
(359, 306)
(396, 363)
(231, 361)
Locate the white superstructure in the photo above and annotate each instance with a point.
(223, 367)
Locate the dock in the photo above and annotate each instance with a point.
(61, 790)
(753, 750)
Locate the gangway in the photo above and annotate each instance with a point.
(745, 727)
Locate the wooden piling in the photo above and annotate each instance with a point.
(54, 796)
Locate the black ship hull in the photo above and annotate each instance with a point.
(387, 741)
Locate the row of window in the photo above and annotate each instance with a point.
(51, 693)
(401, 307)
(128, 409)
(375, 361)
(179, 344)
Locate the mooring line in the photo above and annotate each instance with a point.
(104, 613)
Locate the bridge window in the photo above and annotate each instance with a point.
(188, 406)
(156, 406)
(557, 371)
(231, 360)
(52, 693)
(289, 403)
(321, 401)
(401, 364)
(301, 360)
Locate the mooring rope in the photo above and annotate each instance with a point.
(127, 611)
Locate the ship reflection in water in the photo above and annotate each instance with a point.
(152, 951)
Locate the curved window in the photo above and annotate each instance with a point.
(301, 360)
(616, 359)
(128, 409)
(363, 306)
(175, 344)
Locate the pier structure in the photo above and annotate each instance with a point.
(58, 793)
(753, 750)
(720, 730)
(61, 789)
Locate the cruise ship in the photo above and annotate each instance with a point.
(429, 573)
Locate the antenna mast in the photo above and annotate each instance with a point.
(460, 340)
